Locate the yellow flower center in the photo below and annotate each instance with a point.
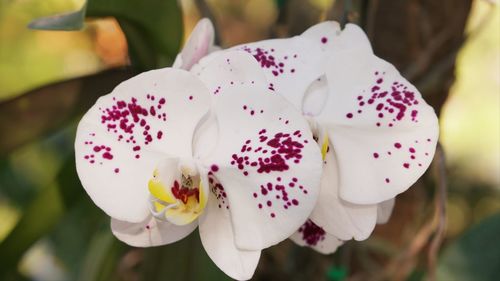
(180, 201)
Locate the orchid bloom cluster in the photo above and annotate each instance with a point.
(308, 138)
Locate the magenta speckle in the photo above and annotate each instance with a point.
(312, 234)
(396, 99)
(267, 61)
(214, 168)
(130, 122)
(107, 155)
(269, 153)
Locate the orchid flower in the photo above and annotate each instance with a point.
(376, 133)
(168, 151)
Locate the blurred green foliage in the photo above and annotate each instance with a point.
(475, 255)
(153, 27)
(67, 21)
(33, 58)
(53, 107)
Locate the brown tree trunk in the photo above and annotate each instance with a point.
(421, 38)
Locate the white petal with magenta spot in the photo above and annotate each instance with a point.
(125, 135)
(266, 156)
(331, 39)
(379, 125)
(313, 236)
(151, 232)
(338, 217)
(290, 65)
(217, 237)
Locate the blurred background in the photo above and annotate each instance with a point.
(446, 227)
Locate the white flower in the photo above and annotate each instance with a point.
(168, 151)
(376, 133)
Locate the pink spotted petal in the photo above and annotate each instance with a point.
(340, 218)
(265, 156)
(124, 136)
(331, 39)
(383, 133)
(315, 237)
(217, 237)
(290, 65)
(151, 232)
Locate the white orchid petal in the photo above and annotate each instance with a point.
(352, 37)
(313, 236)
(266, 157)
(315, 97)
(199, 44)
(217, 237)
(384, 210)
(324, 34)
(151, 232)
(379, 125)
(123, 137)
(290, 65)
(338, 217)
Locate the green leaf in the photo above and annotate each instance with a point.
(41, 215)
(336, 273)
(475, 255)
(66, 21)
(102, 256)
(47, 109)
(153, 28)
(183, 260)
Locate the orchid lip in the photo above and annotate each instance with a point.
(181, 200)
(319, 135)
